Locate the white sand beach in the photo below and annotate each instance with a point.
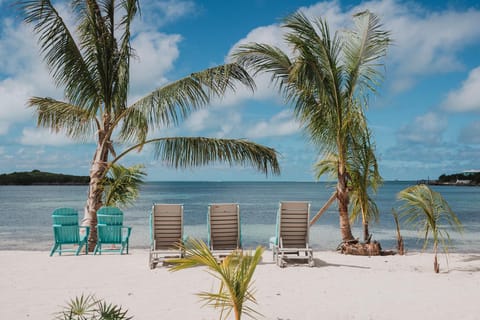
(35, 286)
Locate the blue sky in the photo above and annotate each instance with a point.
(425, 120)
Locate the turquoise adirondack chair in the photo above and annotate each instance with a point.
(66, 231)
(111, 231)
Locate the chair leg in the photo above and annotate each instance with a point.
(53, 249)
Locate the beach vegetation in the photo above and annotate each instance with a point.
(235, 273)
(122, 185)
(37, 177)
(90, 60)
(88, 307)
(427, 211)
(328, 79)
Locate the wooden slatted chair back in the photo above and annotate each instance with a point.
(167, 225)
(224, 220)
(294, 224)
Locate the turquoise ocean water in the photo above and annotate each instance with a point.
(25, 212)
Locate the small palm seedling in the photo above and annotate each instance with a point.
(235, 273)
(429, 212)
(90, 308)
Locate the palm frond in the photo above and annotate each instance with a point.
(365, 46)
(168, 105)
(235, 273)
(122, 185)
(182, 152)
(61, 53)
(61, 116)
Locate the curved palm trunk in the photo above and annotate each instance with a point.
(342, 196)
(95, 192)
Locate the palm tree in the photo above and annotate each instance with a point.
(122, 185)
(92, 62)
(364, 177)
(327, 78)
(235, 273)
(428, 211)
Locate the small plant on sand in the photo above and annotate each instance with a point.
(235, 273)
(428, 211)
(90, 308)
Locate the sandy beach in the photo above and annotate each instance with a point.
(35, 286)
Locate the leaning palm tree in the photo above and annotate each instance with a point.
(327, 78)
(122, 185)
(428, 211)
(91, 62)
(235, 273)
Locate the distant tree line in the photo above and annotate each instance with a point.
(37, 177)
(474, 178)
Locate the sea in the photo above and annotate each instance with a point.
(26, 224)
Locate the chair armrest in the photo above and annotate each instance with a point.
(128, 232)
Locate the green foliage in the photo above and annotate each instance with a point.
(122, 185)
(327, 77)
(90, 308)
(427, 211)
(235, 273)
(39, 177)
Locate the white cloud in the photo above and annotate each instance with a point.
(467, 98)
(40, 136)
(197, 121)
(158, 13)
(282, 124)
(156, 52)
(425, 129)
(425, 42)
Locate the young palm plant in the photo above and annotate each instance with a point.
(364, 179)
(428, 211)
(122, 185)
(90, 308)
(91, 62)
(235, 273)
(327, 78)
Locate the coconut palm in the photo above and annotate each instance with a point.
(428, 211)
(91, 62)
(235, 273)
(327, 79)
(122, 185)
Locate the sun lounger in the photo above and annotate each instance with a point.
(166, 233)
(224, 233)
(291, 241)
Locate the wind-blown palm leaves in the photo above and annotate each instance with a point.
(92, 64)
(327, 79)
(428, 211)
(88, 307)
(235, 273)
(122, 185)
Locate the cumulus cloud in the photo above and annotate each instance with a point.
(282, 124)
(422, 43)
(155, 54)
(159, 13)
(43, 137)
(467, 98)
(426, 129)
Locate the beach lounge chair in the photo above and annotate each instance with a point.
(66, 231)
(224, 233)
(166, 233)
(291, 240)
(111, 231)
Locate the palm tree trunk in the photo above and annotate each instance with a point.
(342, 196)
(366, 233)
(95, 192)
(436, 266)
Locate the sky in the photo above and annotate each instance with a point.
(425, 117)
